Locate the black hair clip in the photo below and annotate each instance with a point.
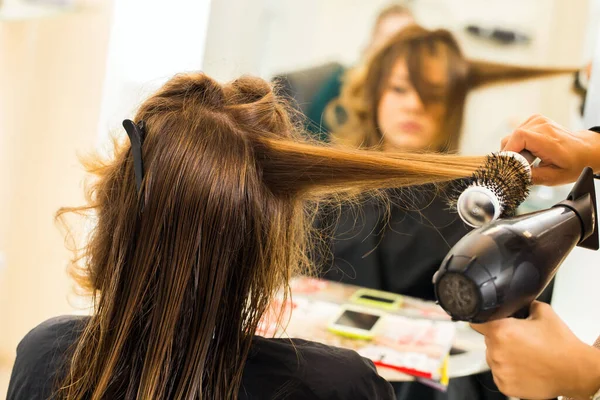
(137, 134)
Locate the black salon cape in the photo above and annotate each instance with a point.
(399, 254)
(275, 369)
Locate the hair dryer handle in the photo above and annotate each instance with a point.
(523, 313)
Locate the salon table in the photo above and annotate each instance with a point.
(467, 356)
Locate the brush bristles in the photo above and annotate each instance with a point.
(504, 175)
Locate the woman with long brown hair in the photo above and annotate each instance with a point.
(411, 93)
(408, 96)
(182, 267)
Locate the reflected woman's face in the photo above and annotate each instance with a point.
(404, 121)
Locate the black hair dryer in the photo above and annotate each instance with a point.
(498, 270)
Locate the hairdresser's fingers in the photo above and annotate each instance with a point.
(541, 122)
(535, 123)
(532, 119)
(505, 141)
(557, 165)
(563, 153)
(514, 142)
(540, 144)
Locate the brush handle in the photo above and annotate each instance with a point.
(523, 313)
(528, 156)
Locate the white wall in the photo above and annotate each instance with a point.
(62, 78)
(151, 40)
(236, 38)
(49, 107)
(310, 32)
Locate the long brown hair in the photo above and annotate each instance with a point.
(182, 270)
(357, 126)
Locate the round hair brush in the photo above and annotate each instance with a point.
(495, 190)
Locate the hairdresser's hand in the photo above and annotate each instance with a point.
(564, 154)
(539, 357)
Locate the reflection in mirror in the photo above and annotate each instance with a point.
(313, 43)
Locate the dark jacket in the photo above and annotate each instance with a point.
(399, 254)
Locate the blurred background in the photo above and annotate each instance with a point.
(71, 71)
